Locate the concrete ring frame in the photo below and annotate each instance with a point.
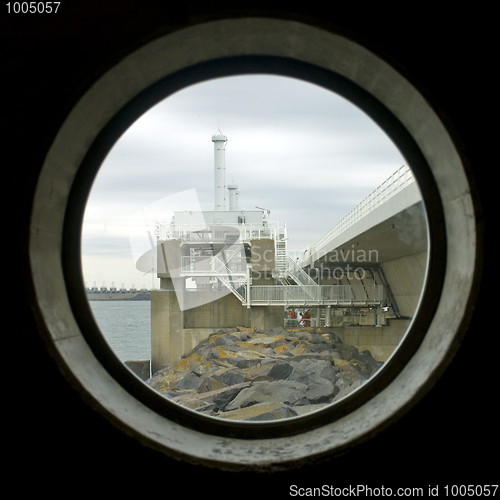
(332, 53)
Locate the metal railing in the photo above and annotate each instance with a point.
(298, 274)
(398, 181)
(197, 265)
(227, 233)
(314, 295)
(280, 249)
(213, 265)
(232, 283)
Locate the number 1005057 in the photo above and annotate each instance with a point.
(33, 7)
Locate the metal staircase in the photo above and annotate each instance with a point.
(232, 282)
(297, 274)
(321, 322)
(280, 255)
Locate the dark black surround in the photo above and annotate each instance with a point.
(49, 62)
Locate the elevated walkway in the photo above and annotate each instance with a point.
(315, 295)
(295, 288)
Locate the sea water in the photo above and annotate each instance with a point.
(126, 326)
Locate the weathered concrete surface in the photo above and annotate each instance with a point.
(406, 277)
(381, 342)
(166, 317)
(248, 374)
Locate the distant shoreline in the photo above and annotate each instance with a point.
(101, 296)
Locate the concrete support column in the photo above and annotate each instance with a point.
(167, 323)
(318, 317)
(328, 310)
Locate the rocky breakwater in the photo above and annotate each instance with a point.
(250, 375)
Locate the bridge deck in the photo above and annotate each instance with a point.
(396, 194)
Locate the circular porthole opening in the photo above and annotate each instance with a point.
(392, 102)
(275, 303)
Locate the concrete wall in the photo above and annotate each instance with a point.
(224, 312)
(262, 261)
(380, 341)
(188, 338)
(262, 257)
(168, 255)
(406, 277)
(166, 317)
(266, 317)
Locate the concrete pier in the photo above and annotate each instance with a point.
(174, 332)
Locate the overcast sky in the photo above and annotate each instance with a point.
(303, 152)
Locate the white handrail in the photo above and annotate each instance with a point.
(317, 294)
(399, 180)
(298, 274)
(216, 232)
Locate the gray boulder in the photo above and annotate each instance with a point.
(242, 373)
(280, 391)
(243, 363)
(230, 377)
(349, 352)
(313, 371)
(260, 412)
(321, 392)
(191, 381)
(367, 358)
(347, 390)
(226, 340)
(280, 370)
(332, 337)
(223, 397)
(319, 377)
(301, 334)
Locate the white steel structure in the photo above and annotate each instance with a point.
(233, 197)
(220, 142)
(216, 251)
